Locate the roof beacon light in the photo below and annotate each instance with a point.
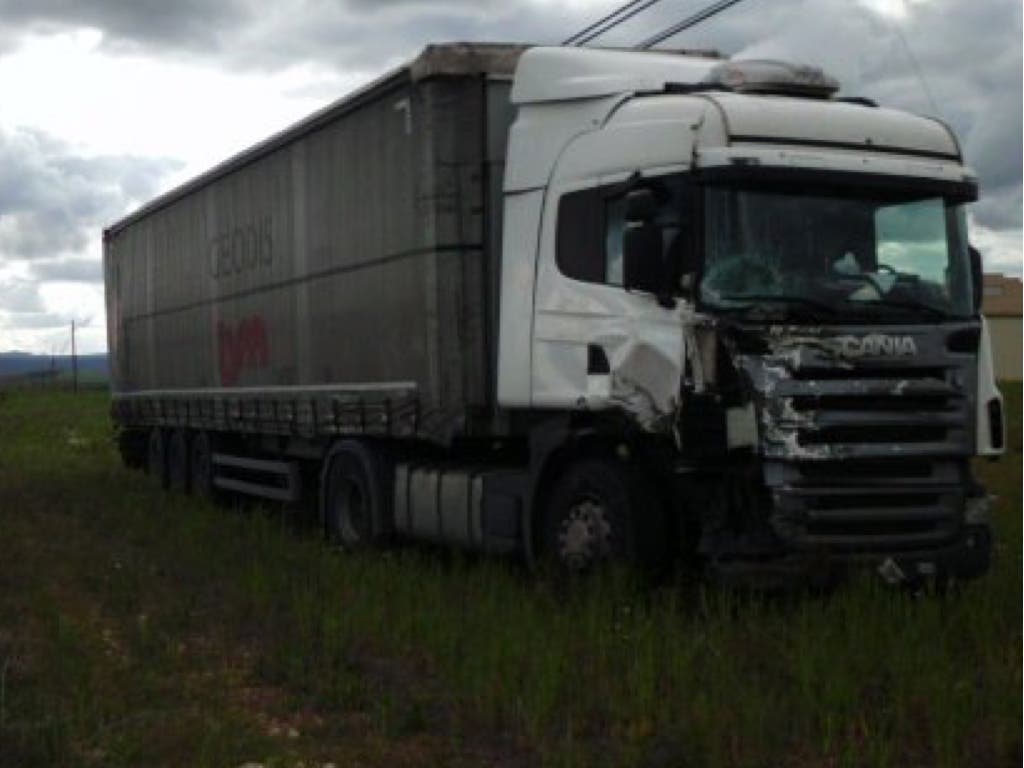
(778, 77)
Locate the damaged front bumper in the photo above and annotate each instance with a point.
(968, 557)
(861, 461)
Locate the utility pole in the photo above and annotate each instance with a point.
(74, 360)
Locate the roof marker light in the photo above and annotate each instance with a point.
(778, 77)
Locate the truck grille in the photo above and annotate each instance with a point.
(865, 456)
(811, 416)
(867, 519)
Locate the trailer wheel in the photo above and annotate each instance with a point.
(178, 461)
(602, 512)
(133, 446)
(156, 457)
(355, 492)
(201, 467)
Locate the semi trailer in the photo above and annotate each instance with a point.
(576, 305)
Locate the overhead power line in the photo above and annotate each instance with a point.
(609, 22)
(626, 12)
(690, 21)
(913, 62)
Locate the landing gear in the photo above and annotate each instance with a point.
(201, 467)
(178, 475)
(156, 457)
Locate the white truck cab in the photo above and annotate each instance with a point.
(776, 280)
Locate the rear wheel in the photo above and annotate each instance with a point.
(178, 461)
(156, 457)
(602, 512)
(355, 494)
(133, 445)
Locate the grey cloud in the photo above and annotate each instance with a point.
(370, 37)
(1000, 249)
(20, 296)
(249, 34)
(970, 53)
(22, 307)
(1000, 209)
(53, 199)
(193, 25)
(35, 321)
(74, 270)
(968, 56)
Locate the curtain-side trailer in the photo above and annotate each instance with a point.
(577, 305)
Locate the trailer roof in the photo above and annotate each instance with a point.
(443, 59)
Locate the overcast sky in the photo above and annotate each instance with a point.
(104, 104)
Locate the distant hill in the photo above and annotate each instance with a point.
(20, 364)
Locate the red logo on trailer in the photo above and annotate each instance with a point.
(246, 347)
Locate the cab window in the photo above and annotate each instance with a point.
(591, 224)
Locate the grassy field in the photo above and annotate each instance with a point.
(138, 628)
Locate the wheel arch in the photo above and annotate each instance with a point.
(553, 450)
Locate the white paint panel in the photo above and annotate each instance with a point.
(642, 340)
(515, 325)
(554, 74)
(987, 390)
(542, 131)
(628, 143)
(560, 373)
(795, 119)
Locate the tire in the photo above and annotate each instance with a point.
(201, 467)
(156, 457)
(355, 496)
(178, 461)
(133, 445)
(602, 512)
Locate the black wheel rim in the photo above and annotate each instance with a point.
(585, 533)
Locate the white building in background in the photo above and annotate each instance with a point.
(1002, 308)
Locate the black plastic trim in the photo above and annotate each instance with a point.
(995, 423)
(857, 146)
(751, 173)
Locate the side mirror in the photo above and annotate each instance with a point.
(644, 265)
(977, 277)
(641, 205)
(641, 257)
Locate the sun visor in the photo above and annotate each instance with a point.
(747, 164)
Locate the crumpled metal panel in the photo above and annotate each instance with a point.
(834, 393)
(865, 432)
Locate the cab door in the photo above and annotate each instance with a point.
(596, 345)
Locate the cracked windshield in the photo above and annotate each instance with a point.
(864, 253)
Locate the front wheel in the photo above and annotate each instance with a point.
(602, 512)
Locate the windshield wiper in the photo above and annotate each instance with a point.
(750, 301)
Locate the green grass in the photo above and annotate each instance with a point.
(138, 628)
